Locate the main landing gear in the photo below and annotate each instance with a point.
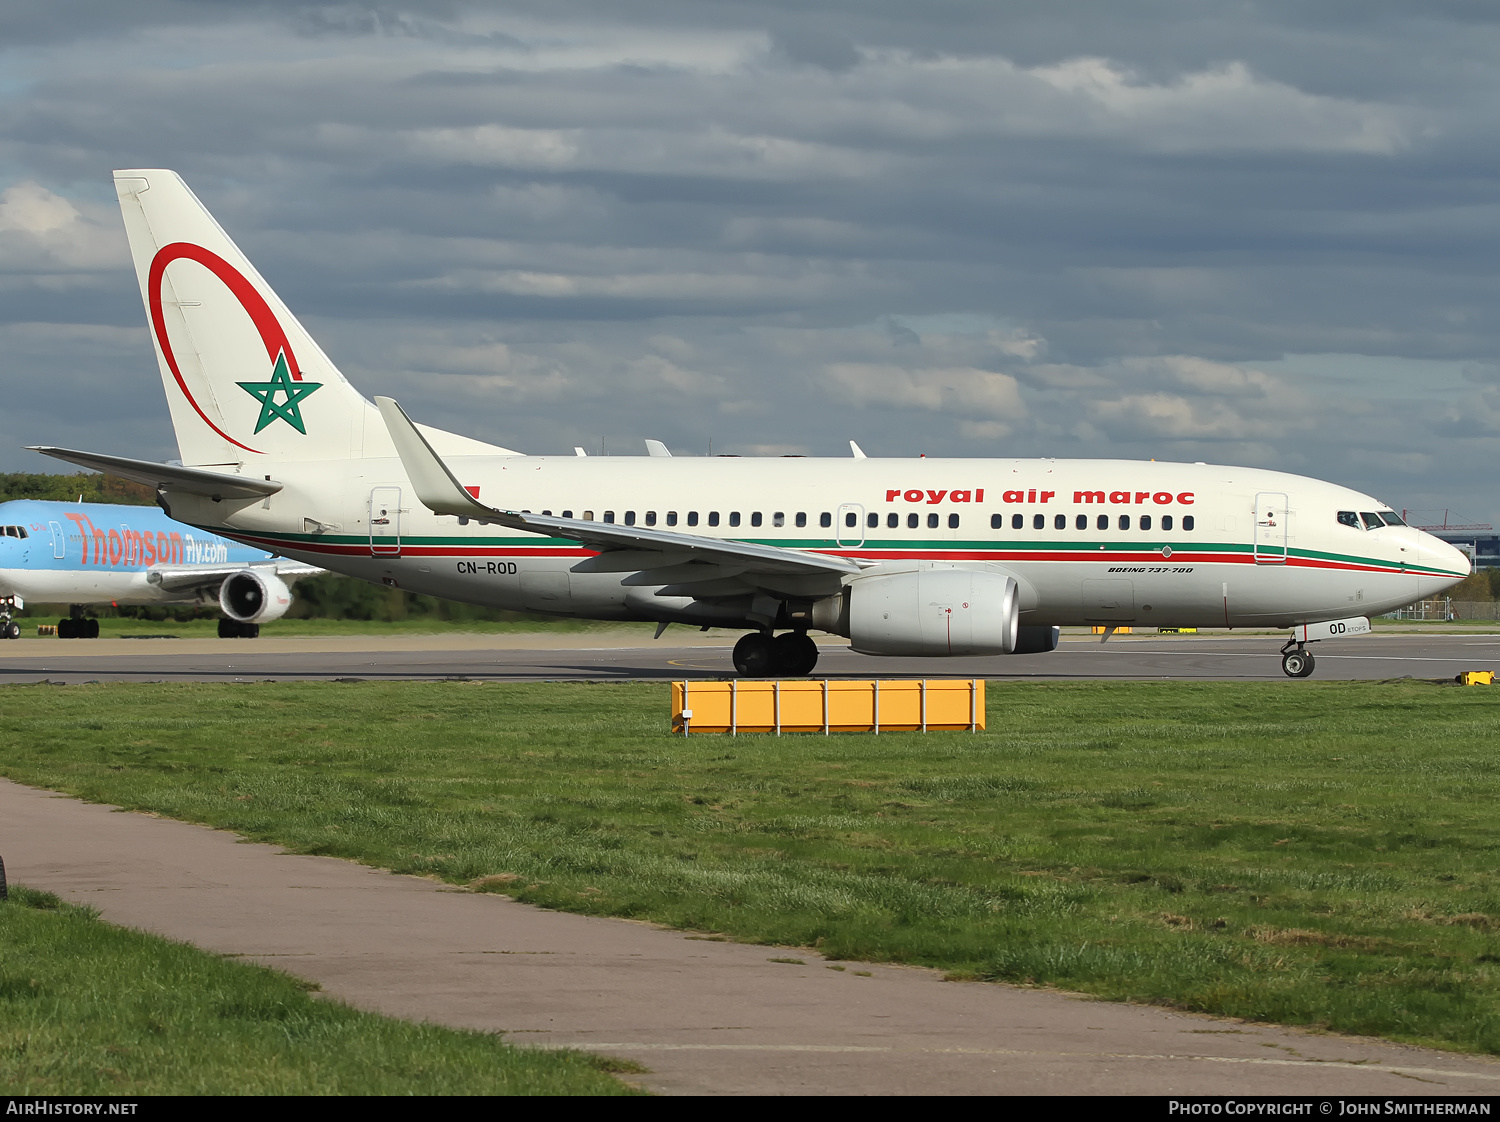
(9, 628)
(234, 629)
(759, 655)
(1296, 660)
(76, 626)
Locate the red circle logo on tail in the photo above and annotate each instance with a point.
(265, 321)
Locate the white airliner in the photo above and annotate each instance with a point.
(904, 557)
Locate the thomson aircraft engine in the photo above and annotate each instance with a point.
(252, 597)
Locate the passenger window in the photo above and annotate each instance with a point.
(1059, 521)
(825, 520)
(1081, 522)
(952, 521)
(1145, 522)
(893, 520)
(851, 519)
(997, 521)
(1166, 521)
(588, 516)
(567, 514)
(1102, 522)
(1349, 518)
(548, 513)
(651, 518)
(713, 518)
(734, 518)
(1017, 521)
(671, 518)
(630, 518)
(872, 520)
(1187, 521)
(1039, 522)
(609, 516)
(692, 518)
(755, 519)
(1373, 521)
(913, 520)
(801, 518)
(1124, 521)
(779, 518)
(932, 521)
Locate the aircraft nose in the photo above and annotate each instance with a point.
(1453, 564)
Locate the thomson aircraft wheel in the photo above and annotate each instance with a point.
(12, 630)
(795, 653)
(90, 628)
(1297, 664)
(229, 629)
(65, 629)
(755, 654)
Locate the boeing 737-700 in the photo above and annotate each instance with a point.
(932, 556)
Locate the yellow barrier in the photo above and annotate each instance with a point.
(1100, 630)
(46, 629)
(1476, 678)
(1177, 631)
(809, 706)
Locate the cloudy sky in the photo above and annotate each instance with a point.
(1253, 232)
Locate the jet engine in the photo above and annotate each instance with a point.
(933, 612)
(252, 596)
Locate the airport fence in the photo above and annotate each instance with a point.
(1449, 610)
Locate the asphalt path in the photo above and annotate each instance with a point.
(634, 657)
(706, 1017)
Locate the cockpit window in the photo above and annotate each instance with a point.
(1348, 518)
(1373, 521)
(15, 531)
(1392, 518)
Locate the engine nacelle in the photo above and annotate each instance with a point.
(934, 612)
(253, 596)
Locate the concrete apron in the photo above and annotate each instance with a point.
(706, 1017)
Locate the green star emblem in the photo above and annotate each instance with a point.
(289, 410)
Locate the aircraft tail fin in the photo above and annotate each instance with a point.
(246, 384)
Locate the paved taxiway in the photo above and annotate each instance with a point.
(706, 1017)
(632, 656)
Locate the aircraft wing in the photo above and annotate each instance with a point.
(687, 564)
(178, 578)
(175, 477)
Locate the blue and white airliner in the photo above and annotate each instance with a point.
(96, 553)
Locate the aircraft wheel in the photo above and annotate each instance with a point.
(90, 628)
(796, 654)
(12, 630)
(229, 629)
(755, 654)
(249, 631)
(1297, 664)
(65, 629)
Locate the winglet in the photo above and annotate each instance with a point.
(435, 485)
(859, 453)
(657, 449)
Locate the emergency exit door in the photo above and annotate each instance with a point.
(1270, 528)
(385, 522)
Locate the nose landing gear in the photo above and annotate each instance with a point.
(9, 629)
(1296, 660)
(758, 654)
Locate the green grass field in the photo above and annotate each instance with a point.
(1312, 853)
(91, 1009)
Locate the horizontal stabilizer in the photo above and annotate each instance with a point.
(170, 477)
